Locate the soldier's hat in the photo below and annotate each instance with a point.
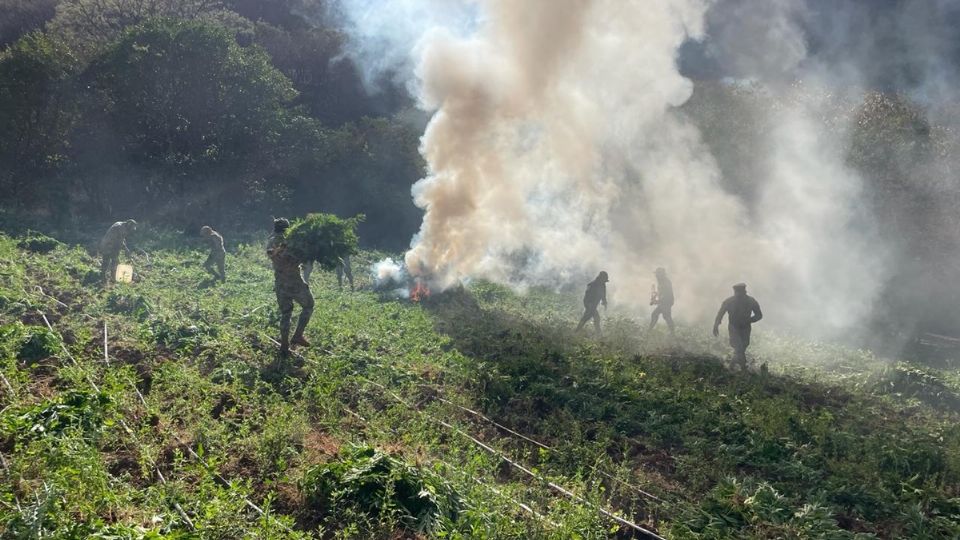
(205, 229)
(280, 224)
(603, 277)
(131, 223)
(660, 270)
(740, 286)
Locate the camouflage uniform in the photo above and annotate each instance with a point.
(595, 294)
(110, 245)
(664, 300)
(743, 311)
(289, 287)
(343, 269)
(216, 260)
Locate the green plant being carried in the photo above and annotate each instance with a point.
(324, 238)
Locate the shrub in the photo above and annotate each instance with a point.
(38, 243)
(381, 486)
(83, 411)
(38, 343)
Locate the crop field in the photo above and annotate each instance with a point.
(161, 409)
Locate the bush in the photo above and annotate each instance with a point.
(83, 411)
(38, 243)
(378, 485)
(38, 343)
(324, 238)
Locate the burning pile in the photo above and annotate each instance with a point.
(392, 279)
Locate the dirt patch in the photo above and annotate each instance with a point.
(319, 447)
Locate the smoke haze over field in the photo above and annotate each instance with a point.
(557, 148)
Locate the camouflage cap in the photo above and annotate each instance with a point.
(280, 224)
(603, 277)
(130, 223)
(740, 286)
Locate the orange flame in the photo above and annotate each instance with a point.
(420, 292)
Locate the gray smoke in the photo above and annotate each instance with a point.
(556, 149)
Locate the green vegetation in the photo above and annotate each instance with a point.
(187, 418)
(324, 238)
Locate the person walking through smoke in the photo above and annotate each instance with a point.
(290, 287)
(663, 299)
(113, 241)
(743, 311)
(595, 295)
(216, 260)
(343, 269)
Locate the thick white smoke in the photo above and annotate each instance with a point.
(556, 150)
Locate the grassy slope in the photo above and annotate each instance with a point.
(830, 444)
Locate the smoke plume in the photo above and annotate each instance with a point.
(557, 149)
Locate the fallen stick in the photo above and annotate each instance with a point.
(106, 355)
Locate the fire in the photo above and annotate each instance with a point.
(420, 292)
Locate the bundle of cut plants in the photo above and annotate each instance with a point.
(324, 238)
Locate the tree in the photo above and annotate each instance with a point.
(36, 114)
(188, 110)
(21, 17)
(91, 24)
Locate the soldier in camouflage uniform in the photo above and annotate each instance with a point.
(743, 311)
(289, 286)
(216, 260)
(110, 246)
(343, 269)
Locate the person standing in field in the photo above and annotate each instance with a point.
(343, 269)
(290, 287)
(216, 260)
(663, 300)
(595, 295)
(113, 241)
(742, 310)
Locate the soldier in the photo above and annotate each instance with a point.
(343, 269)
(595, 294)
(663, 300)
(110, 246)
(744, 310)
(289, 286)
(215, 263)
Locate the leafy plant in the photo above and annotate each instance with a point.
(38, 343)
(78, 410)
(38, 243)
(367, 481)
(324, 238)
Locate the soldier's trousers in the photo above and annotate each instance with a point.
(108, 267)
(216, 264)
(286, 296)
(343, 269)
(739, 340)
(667, 312)
(590, 312)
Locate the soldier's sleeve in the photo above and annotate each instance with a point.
(720, 314)
(757, 314)
(604, 298)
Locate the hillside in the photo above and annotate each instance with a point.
(161, 409)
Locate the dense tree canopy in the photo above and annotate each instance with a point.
(196, 110)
